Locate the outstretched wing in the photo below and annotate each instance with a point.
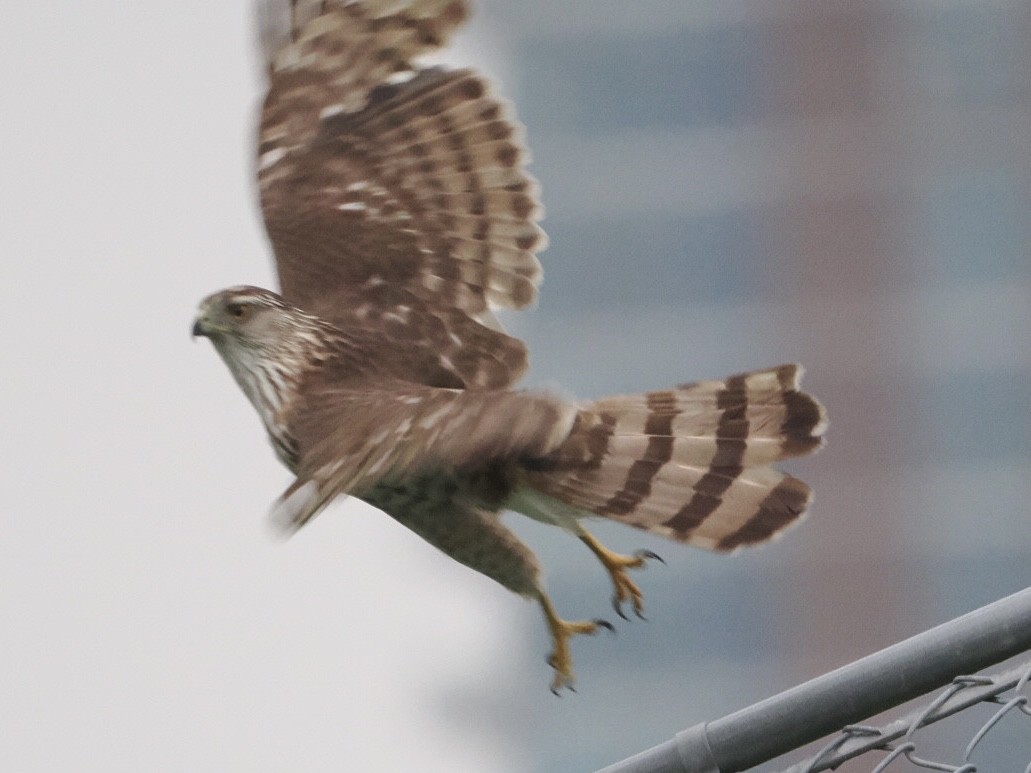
(374, 171)
(352, 441)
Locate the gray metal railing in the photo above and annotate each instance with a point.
(859, 690)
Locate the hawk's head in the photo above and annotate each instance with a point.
(244, 316)
(268, 345)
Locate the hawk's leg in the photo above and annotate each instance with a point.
(561, 632)
(616, 565)
(476, 538)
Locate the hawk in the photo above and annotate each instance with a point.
(395, 200)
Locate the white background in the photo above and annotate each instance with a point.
(149, 619)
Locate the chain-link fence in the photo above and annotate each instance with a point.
(835, 702)
(902, 741)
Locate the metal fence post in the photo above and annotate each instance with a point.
(845, 696)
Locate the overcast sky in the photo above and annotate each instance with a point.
(150, 621)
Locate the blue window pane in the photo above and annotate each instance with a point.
(960, 586)
(981, 417)
(979, 227)
(679, 79)
(983, 54)
(653, 260)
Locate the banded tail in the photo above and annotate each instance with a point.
(692, 463)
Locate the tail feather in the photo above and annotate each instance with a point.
(692, 463)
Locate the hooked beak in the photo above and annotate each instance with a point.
(199, 328)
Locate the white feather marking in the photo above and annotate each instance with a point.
(330, 110)
(432, 418)
(271, 158)
(398, 78)
(376, 466)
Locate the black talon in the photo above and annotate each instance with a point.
(640, 615)
(606, 625)
(647, 554)
(619, 609)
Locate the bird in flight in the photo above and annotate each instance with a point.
(400, 215)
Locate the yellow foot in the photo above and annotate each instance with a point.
(561, 632)
(616, 565)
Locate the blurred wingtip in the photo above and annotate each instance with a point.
(295, 508)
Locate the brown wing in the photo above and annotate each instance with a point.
(366, 180)
(412, 340)
(352, 440)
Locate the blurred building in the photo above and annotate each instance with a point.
(731, 185)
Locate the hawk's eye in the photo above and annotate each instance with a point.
(238, 310)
